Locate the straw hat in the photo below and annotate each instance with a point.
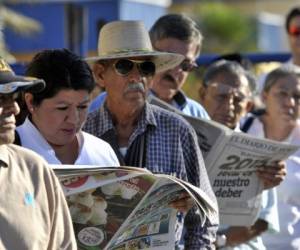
(125, 39)
(10, 83)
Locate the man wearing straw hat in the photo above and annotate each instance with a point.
(176, 33)
(141, 134)
(33, 212)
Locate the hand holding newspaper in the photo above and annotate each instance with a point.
(125, 207)
(231, 159)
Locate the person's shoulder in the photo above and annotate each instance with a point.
(196, 109)
(22, 152)
(26, 157)
(97, 102)
(169, 117)
(94, 141)
(93, 118)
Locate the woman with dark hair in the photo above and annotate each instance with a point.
(56, 115)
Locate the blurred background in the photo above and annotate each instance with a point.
(254, 28)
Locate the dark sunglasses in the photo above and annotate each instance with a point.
(294, 31)
(124, 66)
(188, 66)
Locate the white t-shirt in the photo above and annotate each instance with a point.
(288, 196)
(93, 151)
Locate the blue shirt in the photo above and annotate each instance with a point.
(171, 148)
(97, 102)
(188, 106)
(180, 101)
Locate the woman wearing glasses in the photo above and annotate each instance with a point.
(56, 115)
(281, 96)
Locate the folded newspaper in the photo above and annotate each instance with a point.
(125, 207)
(231, 159)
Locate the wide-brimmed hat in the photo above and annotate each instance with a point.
(10, 82)
(125, 39)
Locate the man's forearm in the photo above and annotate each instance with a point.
(199, 236)
(239, 235)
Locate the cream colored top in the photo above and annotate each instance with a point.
(33, 212)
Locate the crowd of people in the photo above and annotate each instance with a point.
(61, 125)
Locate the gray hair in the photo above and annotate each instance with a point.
(230, 67)
(176, 26)
(279, 73)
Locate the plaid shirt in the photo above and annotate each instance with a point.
(171, 149)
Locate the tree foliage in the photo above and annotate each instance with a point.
(225, 29)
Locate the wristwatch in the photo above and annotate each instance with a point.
(221, 240)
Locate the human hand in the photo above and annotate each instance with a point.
(236, 235)
(272, 176)
(183, 204)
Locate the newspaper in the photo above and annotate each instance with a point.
(125, 207)
(231, 159)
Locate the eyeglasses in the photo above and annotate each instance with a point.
(124, 66)
(187, 66)
(294, 31)
(222, 92)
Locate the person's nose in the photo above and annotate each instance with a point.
(11, 107)
(73, 115)
(228, 105)
(290, 101)
(135, 75)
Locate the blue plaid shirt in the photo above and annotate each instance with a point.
(171, 149)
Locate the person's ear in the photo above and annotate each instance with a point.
(98, 72)
(28, 97)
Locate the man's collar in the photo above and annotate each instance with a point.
(179, 99)
(146, 117)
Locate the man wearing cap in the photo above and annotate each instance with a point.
(145, 135)
(33, 212)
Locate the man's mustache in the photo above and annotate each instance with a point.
(137, 86)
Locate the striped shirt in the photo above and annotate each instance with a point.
(171, 148)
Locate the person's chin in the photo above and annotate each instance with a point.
(289, 119)
(289, 115)
(167, 84)
(227, 121)
(7, 137)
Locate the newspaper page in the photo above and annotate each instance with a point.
(233, 178)
(231, 159)
(120, 208)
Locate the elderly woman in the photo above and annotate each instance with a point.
(281, 96)
(56, 115)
